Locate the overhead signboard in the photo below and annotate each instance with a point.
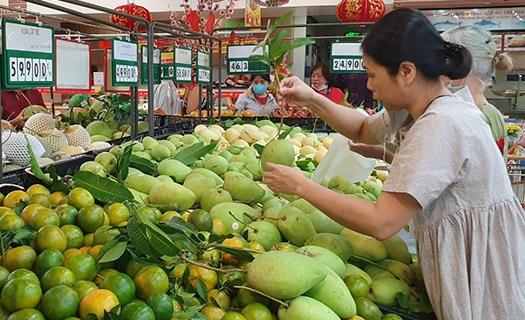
(346, 58)
(203, 67)
(125, 63)
(73, 65)
(144, 65)
(182, 65)
(239, 62)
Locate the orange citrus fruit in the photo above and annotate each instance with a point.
(14, 197)
(231, 315)
(234, 242)
(88, 239)
(118, 214)
(23, 274)
(169, 215)
(71, 252)
(105, 234)
(201, 219)
(4, 273)
(39, 198)
(221, 297)
(95, 250)
(97, 302)
(90, 218)
(67, 214)
(11, 222)
(121, 285)
(28, 212)
(219, 228)
(132, 268)
(213, 313)
(137, 310)
(150, 213)
(149, 280)
(21, 294)
(162, 305)
(6, 210)
(83, 288)
(209, 277)
(80, 198)
(44, 217)
(74, 235)
(48, 259)
(103, 275)
(27, 314)
(22, 257)
(56, 197)
(50, 236)
(57, 276)
(83, 266)
(256, 311)
(38, 189)
(59, 302)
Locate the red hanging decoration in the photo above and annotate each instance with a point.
(133, 9)
(104, 44)
(360, 10)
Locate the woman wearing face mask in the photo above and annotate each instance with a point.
(485, 62)
(257, 99)
(469, 225)
(322, 81)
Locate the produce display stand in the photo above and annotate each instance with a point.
(517, 176)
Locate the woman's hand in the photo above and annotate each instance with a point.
(283, 179)
(233, 108)
(295, 92)
(19, 121)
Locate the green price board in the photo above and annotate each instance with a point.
(203, 67)
(182, 65)
(239, 62)
(28, 55)
(144, 65)
(346, 58)
(125, 63)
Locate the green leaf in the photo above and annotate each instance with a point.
(202, 290)
(280, 21)
(417, 301)
(103, 189)
(58, 184)
(92, 316)
(158, 238)
(277, 39)
(262, 58)
(124, 97)
(238, 254)
(285, 133)
(261, 45)
(143, 262)
(287, 47)
(114, 253)
(179, 224)
(139, 239)
(191, 154)
(214, 302)
(143, 165)
(35, 168)
(259, 148)
(123, 163)
(112, 315)
(199, 316)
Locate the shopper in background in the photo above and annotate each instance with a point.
(470, 227)
(257, 99)
(166, 97)
(14, 102)
(322, 83)
(485, 61)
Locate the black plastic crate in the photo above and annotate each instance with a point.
(63, 167)
(407, 316)
(16, 177)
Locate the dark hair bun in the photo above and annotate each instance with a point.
(458, 61)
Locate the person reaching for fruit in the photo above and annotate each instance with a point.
(470, 227)
(14, 103)
(257, 99)
(322, 81)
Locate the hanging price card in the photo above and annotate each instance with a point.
(182, 65)
(28, 55)
(203, 67)
(346, 58)
(144, 65)
(239, 62)
(125, 63)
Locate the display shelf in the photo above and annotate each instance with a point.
(407, 316)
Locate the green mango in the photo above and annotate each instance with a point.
(212, 197)
(365, 246)
(141, 182)
(164, 178)
(306, 308)
(326, 257)
(351, 269)
(384, 291)
(295, 226)
(332, 292)
(376, 272)
(264, 233)
(285, 275)
(198, 185)
(242, 188)
(167, 193)
(225, 210)
(397, 249)
(278, 152)
(174, 168)
(208, 173)
(400, 270)
(340, 183)
(333, 242)
(216, 163)
(367, 309)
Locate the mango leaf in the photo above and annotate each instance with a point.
(114, 253)
(35, 168)
(285, 133)
(191, 154)
(92, 316)
(159, 240)
(199, 316)
(123, 163)
(24, 236)
(264, 58)
(280, 21)
(111, 315)
(287, 47)
(105, 248)
(202, 290)
(259, 148)
(140, 240)
(58, 184)
(179, 224)
(238, 254)
(103, 189)
(277, 39)
(142, 261)
(417, 301)
(214, 302)
(143, 165)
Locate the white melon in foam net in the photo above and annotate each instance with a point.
(39, 123)
(99, 145)
(16, 151)
(77, 136)
(56, 140)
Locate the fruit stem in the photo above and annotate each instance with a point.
(282, 303)
(241, 222)
(205, 266)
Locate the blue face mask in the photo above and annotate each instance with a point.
(259, 88)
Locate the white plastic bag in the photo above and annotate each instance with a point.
(339, 160)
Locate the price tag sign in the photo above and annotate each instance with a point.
(28, 55)
(182, 65)
(144, 65)
(125, 63)
(346, 58)
(239, 63)
(203, 67)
